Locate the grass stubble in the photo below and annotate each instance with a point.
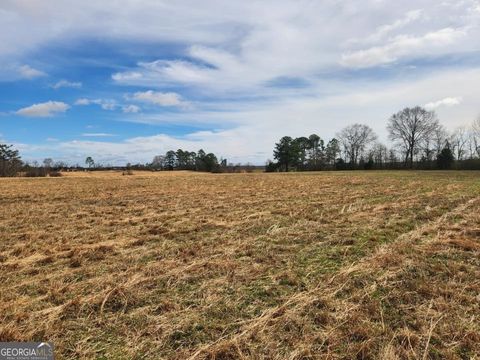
(183, 265)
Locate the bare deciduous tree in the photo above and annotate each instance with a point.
(476, 136)
(440, 138)
(158, 162)
(458, 142)
(410, 127)
(379, 154)
(48, 163)
(355, 138)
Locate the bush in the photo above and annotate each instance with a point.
(54, 174)
(340, 164)
(271, 166)
(369, 164)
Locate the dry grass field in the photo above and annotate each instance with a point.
(334, 265)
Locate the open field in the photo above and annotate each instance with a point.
(229, 266)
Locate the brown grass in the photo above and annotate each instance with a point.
(235, 266)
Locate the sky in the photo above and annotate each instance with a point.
(123, 80)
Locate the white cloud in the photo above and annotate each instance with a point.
(159, 98)
(98, 135)
(131, 109)
(46, 109)
(400, 23)
(127, 76)
(82, 101)
(384, 30)
(27, 72)
(105, 104)
(67, 84)
(448, 101)
(402, 46)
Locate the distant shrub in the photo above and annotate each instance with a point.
(369, 164)
(340, 164)
(271, 166)
(54, 174)
(127, 172)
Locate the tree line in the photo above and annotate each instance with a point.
(11, 164)
(187, 160)
(419, 141)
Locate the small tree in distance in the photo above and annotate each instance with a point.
(446, 158)
(89, 162)
(48, 163)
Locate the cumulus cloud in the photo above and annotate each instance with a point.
(67, 84)
(143, 149)
(105, 104)
(127, 76)
(46, 109)
(82, 101)
(448, 101)
(159, 98)
(108, 104)
(27, 72)
(131, 109)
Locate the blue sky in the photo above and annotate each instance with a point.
(124, 81)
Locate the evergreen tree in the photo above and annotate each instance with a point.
(445, 159)
(10, 160)
(284, 152)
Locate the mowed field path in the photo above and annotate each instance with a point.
(179, 265)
